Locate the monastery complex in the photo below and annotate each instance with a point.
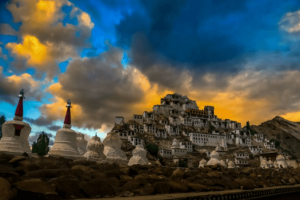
(177, 127)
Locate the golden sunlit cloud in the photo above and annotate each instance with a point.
(35, 52)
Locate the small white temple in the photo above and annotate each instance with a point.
(139, 156)
(112, 148)
(281, 161)
(65, 143)
(214, 158)
(15, 132)
(94, 149)
(202, 163)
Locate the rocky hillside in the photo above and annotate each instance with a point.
(284, 131)
(60, 178)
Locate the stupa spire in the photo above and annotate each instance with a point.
(19, 110)
(68, 114)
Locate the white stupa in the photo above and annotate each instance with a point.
(202, 163)
(81, 143)
(281, 161)
(15, 132)
(270, 163)
(264, 164)
(65, 143)
(94, 149)
(112, 148)
(231, 165)
(222, 162)
(275, 164)
(139, 156)
(214, 158)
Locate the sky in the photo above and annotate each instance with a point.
(119, 57)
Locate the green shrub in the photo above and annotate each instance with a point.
(34, 148)
(42, 145)
(152, 148)
(182, 163)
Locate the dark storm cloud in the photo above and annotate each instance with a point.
(54, 128)
(11, 86)
(41, 121)
(101, 87)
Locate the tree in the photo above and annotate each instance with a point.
(182, 163)
(34, 147)
(248, 125)
(2, 120)
(152, 148)
(42, 145)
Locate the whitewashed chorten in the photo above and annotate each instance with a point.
(15, 132)
(112, 148)
(94, 149)
(264, 164)
(214, 158)
(281, 161)
(65, 143)
(139, 156)
(202, 163)
(222, 162)
(81, 144)
(231, 165)
(275, 164)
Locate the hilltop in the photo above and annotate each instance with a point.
(286, 132)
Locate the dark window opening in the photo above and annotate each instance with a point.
(17, 132)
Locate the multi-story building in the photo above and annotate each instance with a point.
(177, 151)
(269, 145)
(172, 130)
(138, 118)
(203, 139)
(258, 137)
(135, 140)
(186, 145)
(165, 153)
(255, 149)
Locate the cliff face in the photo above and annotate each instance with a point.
(286, 132)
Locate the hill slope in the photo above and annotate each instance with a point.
(284, 131)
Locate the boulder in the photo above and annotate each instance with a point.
(35, 189)
(246, 171)
(178, 186)
(6, 192)
(197, 187)
(68, 188)
(162, 187)
(97, 189)
(177, 174)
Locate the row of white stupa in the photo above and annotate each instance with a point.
(214, 159)
(15, 140)
(278, 163)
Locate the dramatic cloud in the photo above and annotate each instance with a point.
(54, 128)
(34, 136)
(99, 88)
(10, 87)
(6, 29)
(45, 39)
